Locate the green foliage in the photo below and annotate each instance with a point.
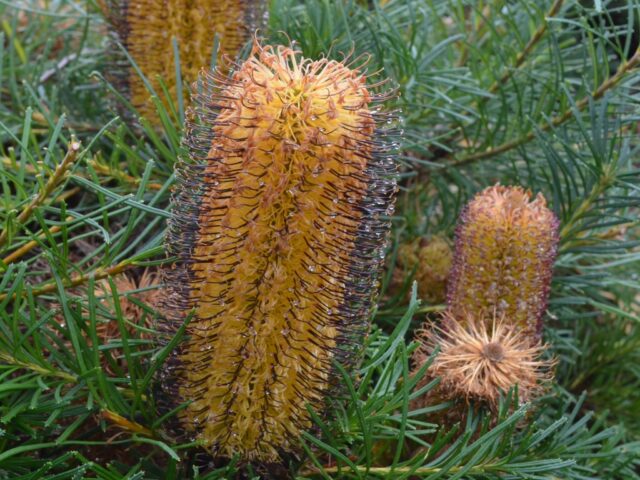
(542, 94)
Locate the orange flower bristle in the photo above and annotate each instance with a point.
(481, 361)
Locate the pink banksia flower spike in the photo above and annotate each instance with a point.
(506, 244)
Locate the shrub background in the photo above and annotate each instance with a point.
(536, 93)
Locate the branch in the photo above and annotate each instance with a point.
(27, 247)
(479, 469)
(45, 372)
(108, 415)
(98, 167)
(122, 176)
(556, 121)
(98, 274)
(522, 56)
(126, 424)
(55, 180)
(583, 209)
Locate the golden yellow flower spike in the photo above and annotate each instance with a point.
(279, 229)
(506, 244)
(146, 29)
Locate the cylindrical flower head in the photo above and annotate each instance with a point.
(279, 227)
(506, 243)
(429, 259)
(147, 28)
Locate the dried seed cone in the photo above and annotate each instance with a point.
(279, 230)
(506, 243)
(146, 29)
(480, 360)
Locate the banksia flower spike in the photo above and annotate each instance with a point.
(279, 229)
(429, 260)
(506, 243)
(489, 338)
(146, 29)
(480, 360)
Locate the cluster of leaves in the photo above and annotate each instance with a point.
(541, 94)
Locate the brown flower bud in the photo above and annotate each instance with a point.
(429, 260)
